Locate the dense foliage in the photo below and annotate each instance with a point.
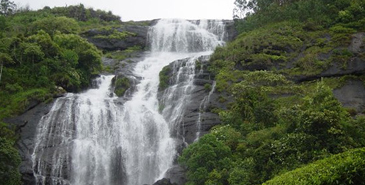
(323, 13)
(9, 156)
(164, 78)
(262, 137)
(284, 115)
(344, 168)
(121, 85)
(42, 55)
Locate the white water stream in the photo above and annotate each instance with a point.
(88, 139)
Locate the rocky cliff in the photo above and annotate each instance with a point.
(136, 35)
(201, 107)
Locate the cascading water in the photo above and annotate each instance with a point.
(204, 36)
(88, 139)
(202, 108)
(81, 126)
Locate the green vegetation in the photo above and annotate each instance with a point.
(207, 87)
(43, 61)
(42, 55)
(314, 14)
(164, 78)
(9, 156)
(344, 168)
(276, 123)
(114, 34)
(262, 137)
(121, 55)
(121, 85)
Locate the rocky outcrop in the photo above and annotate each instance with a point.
(352, 95)
(27, 122)
(26, 125)
(176, 175)
(136, 36)
(198, 116)
(199, 105)
(164, 181)
(231, 31)
(355, 65)
(125, 81)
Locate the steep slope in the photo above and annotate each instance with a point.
(293, 90)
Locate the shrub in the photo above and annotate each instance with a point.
(164, 78)
(343, 168)
(121, 86)
(207, 87)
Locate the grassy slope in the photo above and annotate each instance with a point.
(281, 104)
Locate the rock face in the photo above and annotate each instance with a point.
(354, 66)
(231, 32)
(201, 99)
(352, 95)
(27, 128)
(197, 117)
(27, 122)
(138, 37)
(164, 181)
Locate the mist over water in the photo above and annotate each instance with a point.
(88, 139)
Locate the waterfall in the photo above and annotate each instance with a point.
(202, 108)
(89, 139)
(76, 139)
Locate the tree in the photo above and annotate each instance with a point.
(9, 156)
(323, 117)
(7, 7)
(51, 25)
(4, 58)
(207, 161)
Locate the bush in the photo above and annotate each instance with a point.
(343, 168)
(53, 24)
(164, 78)
(207, 161)
(9, 161)
(121, 85)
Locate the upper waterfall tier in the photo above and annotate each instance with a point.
(182, 36)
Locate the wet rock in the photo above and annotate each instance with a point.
(138, 37)
(26, 127)
(164, 181)
(27, 122)
(176, 174)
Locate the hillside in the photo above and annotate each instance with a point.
(293, 82)
(290, 88)
(44, 54)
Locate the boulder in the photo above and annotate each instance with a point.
(164, 181)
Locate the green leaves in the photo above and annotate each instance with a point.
(206, 160)
(87, 55)
(7, 7)
(121, 86)
(344, 168)
(32, 52)
(9, 162)
(164, 78)
(276, 139)
(52, 25)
